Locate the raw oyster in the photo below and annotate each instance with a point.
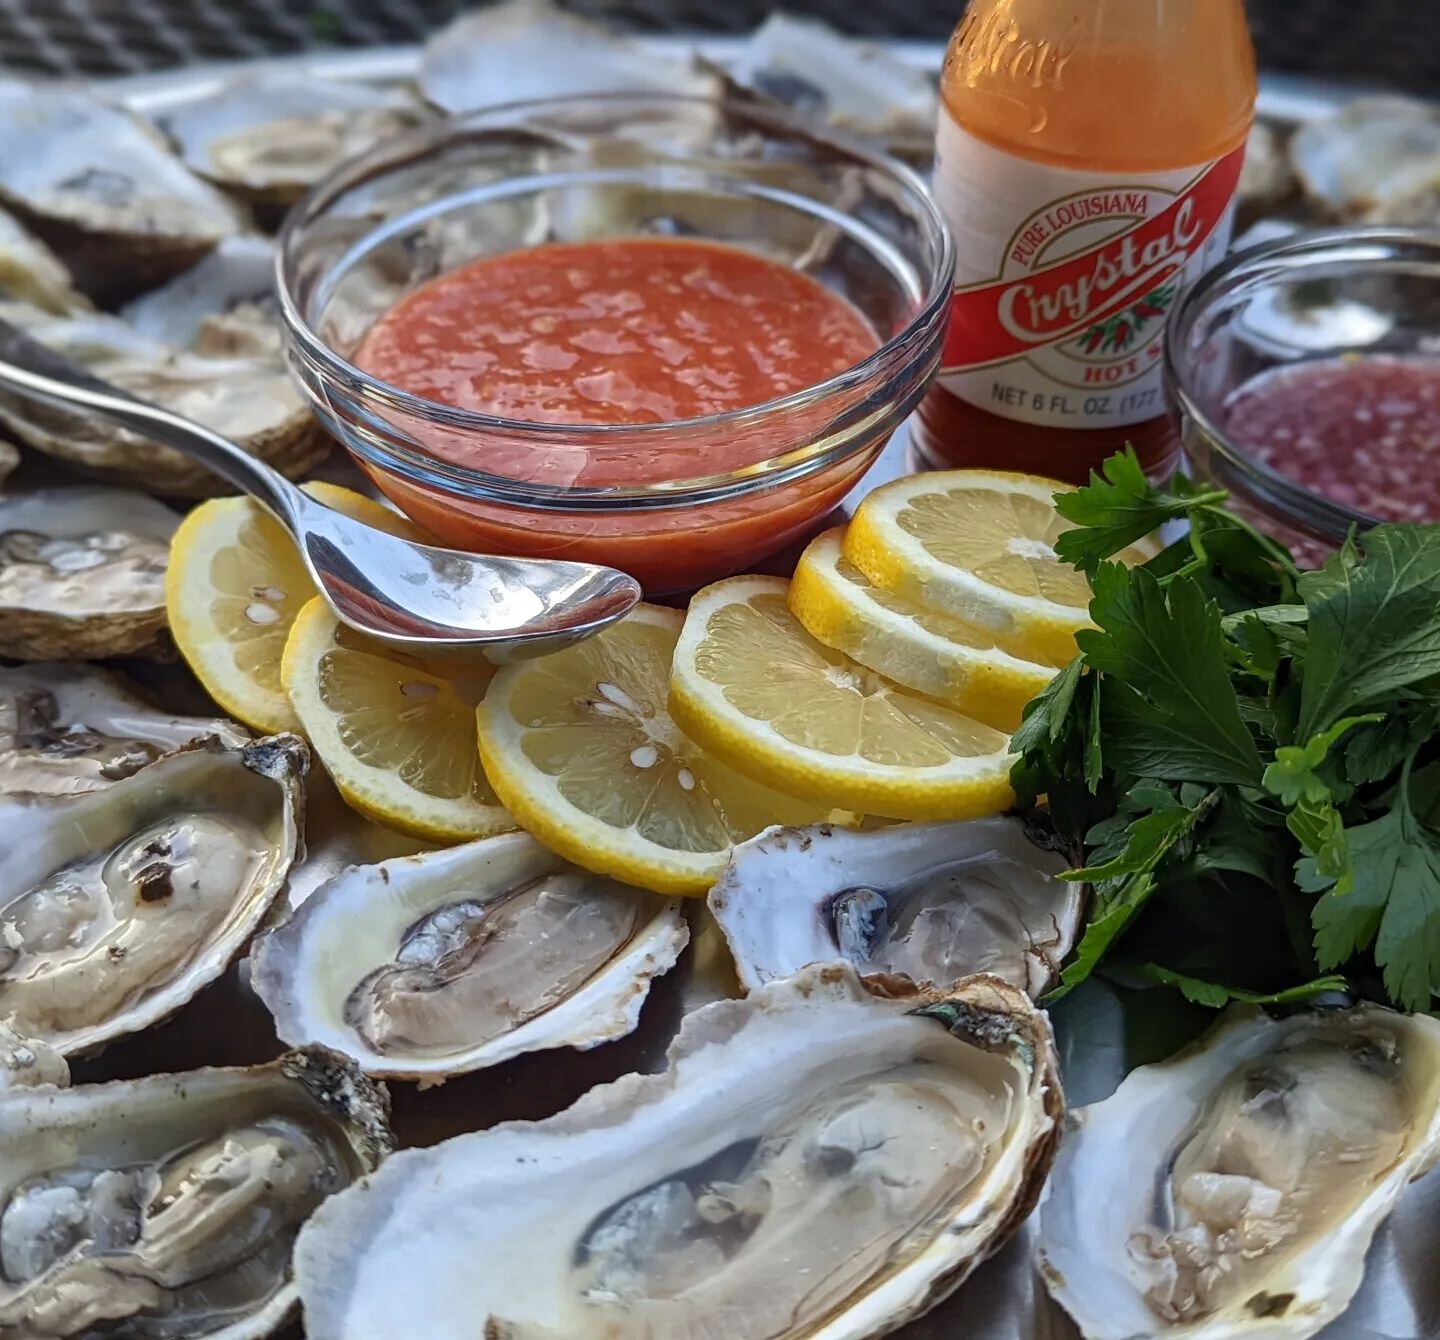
(1368, 157)
(224, 305)
(116, 907)
(429, 966)
(1233, 1190)
(67, 729)
(815, 1160)
(932, 902)
(523, 49)
(244, 393)
(31, 272)
(102, 188)
(167, 1207)
(269, 136)
(82, 574)
(28, 1064)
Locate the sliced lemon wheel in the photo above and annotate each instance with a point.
(919, 646)
(395, 732)
(754, 687)
(234, 586)
(582, 750)
(980, 545)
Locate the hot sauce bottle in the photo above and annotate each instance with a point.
(1087, 159)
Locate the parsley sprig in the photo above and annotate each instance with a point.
(1247, 756)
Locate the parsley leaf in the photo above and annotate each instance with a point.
(1113, 512)
(1294, 776)
(1215, 997)
(1374, 625)
(1170, 710)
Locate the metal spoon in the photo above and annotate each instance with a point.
(415, 597)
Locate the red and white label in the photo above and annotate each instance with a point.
(1064, 280)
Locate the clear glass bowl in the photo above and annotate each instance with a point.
(731, 171)
(1316, 295)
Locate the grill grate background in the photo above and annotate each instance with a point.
(1382, 41)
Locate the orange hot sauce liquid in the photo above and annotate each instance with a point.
(616, 333)
(1106, 87)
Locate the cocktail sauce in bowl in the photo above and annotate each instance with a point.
(661, 333)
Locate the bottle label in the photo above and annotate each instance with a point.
(1064, 279)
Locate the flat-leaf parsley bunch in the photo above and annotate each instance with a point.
(1247, 755)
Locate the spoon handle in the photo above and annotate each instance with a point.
(34, 372)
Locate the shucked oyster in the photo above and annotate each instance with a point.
(28, 1064)
(82, 574)
(933, 902)
(67, 729)
(116, 907)
(1234, 1190)
(166, 1208)
(224, 305)
(102, 188)
(432, 965)
(1371, 158)
(269, 136)
(814, 1161)
(31, 272)
(243, 392)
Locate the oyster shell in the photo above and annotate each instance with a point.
(116, 907)
(224, 305)
(31, 272)
(433, 965)
(931, 902)
(814, 1161)
(102, 188)
(9, 459)
(67, 729)
(167, 1207)
(1233, 1190)
(27, 1064)
(243, 392)
(524, 49)
(82, 574)
(1267, 177)
(268, 136)
(1369, 157)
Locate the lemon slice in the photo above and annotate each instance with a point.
(580, 747)
(395, 732)
(234, 585)
(752, 685)
(980, 545)
(921, 647)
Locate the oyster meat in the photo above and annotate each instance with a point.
(242, 390)
(931, 902)
(101, 187)
(28, 1064)
(66, 729)
(31, 272)
(82, 574)
(1371, 160)
(814, 1161)
(523, 49)
(117, 906)
(1233, 1191)
(268, 136)
(428, 966)
(166, 1208)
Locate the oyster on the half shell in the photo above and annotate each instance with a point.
(82, 574)
(242, 390)
(166, 1208)
(269, 136)
(814, 1161)
(932, 902)
(224, 305)
(1233, 1191)
(101, 187)
(31, 272)
(117, 906)
(28, 1064)
(429, 966)
(66, 729)
(1372, 159)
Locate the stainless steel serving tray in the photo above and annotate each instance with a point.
(1101, 1035)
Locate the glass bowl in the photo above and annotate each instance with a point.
(575, 169)
(1314, 295)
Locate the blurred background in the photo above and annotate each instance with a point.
(1389, 42)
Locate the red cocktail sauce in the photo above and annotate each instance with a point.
(1359, 430)
(622, 334)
